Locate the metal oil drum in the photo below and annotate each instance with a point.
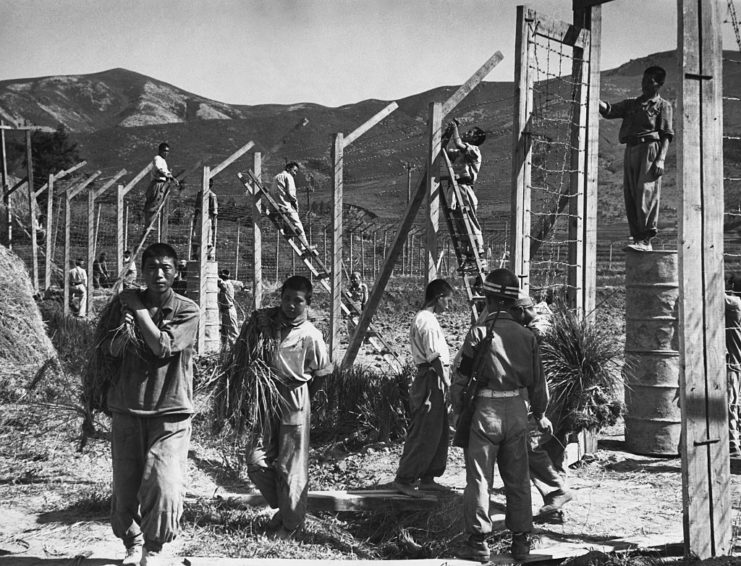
(651, 372)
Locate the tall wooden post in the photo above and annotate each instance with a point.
(579, 74)
(591, 19)
(31, 212)
(165, 221)
(257, 235)
(90, 246)
(519, 259)
(120, 238)
(6, 190)
(49, 235)
(433, 189)
(706, 487)
(335, 313)
(203, 258)
(67, 254)
(236, 254)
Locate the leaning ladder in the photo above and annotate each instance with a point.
(473, 273)
(310, 257)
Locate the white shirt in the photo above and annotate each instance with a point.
(283, 185)
(159, 171)
(427, 339)
(466, 162)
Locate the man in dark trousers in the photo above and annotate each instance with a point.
(646, 131)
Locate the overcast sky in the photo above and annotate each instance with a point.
(331, 52)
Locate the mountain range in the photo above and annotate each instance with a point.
(118, 117)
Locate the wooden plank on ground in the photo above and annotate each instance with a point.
(382, 500)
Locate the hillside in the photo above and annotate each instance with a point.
(119, 117)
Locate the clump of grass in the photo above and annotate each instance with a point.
(582, 365)
(361, 404)
(247, 393)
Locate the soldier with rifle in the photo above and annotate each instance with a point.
(500, 359)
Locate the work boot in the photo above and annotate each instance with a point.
(406, 489)
(133, 555)
(475, 548)
(152, 558)
(520, 546)
(555, 500)
(275, 522)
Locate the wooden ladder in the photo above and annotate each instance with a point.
(472, 272)
(310, 257)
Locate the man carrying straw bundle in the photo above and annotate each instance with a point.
(294, 351)
(150, 397)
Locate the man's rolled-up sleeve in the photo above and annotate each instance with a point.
(179, 333)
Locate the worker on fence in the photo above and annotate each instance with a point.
(465, 157)
(283, 191)
(506, 359)
(180, 285)
(227, 310)
(101, 277)
(78, 289)
(425, 453)
(279, 465)
(151, 403)
(646, 130)
(160, 176)
(357, 292)
(733, 360)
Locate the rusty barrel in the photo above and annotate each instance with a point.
(651, 371)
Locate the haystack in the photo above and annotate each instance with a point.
(24, 344)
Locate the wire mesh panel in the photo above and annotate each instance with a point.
(550, 142)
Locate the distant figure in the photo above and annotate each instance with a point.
(465, 157)
(160, 176)
(180, 284)
(646, 131)
(78, 289)
(101, 278)
(129, 278)
(227, 310)
(283, 191)
(211, 223)
(733, 360)
(357, 292)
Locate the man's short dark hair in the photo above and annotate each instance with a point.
(160, 249)
(127, 252)
(477, 136)
(163, 146)
(79, 261)
(292, 164)
(298, 283)
(224, 274)
(437, 288)
(734, 283)
(657, 73)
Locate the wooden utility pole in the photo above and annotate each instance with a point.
(706, 486)
(32, 212)
(257, 234)
(433, 188)
(6, 189)
(339, 143)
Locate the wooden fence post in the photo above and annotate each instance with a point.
(335, 312)
(257, 287)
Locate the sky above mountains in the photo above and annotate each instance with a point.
(330, 52)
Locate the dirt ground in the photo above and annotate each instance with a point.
(54, 499)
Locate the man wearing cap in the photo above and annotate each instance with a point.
(227, 310)
(509, 363)
(543, 473)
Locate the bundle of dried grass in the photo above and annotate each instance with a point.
(581, 363)
(102, 367)
(247, 393)
(24, 344)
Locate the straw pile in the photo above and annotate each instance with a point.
(247, 391)
(102, 367)
(24, 344)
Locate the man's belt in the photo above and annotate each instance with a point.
(638, 140)
(491, 394)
